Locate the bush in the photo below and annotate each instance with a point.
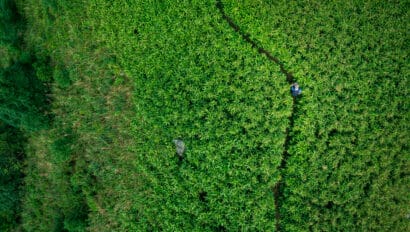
(11, 158)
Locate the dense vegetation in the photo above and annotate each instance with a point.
(93, 93)
(23, 109)
(11, 157)
(348, 165)
(22, 93)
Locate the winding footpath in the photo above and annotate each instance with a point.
(278, 188)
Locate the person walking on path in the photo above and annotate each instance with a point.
(295, 90)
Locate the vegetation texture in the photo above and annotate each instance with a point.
(94, 93)
(348, 164)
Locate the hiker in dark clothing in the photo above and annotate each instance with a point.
(295, 90)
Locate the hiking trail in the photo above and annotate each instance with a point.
(278, 188)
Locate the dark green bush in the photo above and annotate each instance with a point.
(23, 100)
(11, 175)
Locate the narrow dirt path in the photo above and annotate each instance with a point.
(278, 188)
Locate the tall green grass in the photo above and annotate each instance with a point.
(192, 78)
(128, 77)
(348, 165)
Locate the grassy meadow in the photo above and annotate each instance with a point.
(92, 94)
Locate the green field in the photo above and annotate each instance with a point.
(92, 94)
